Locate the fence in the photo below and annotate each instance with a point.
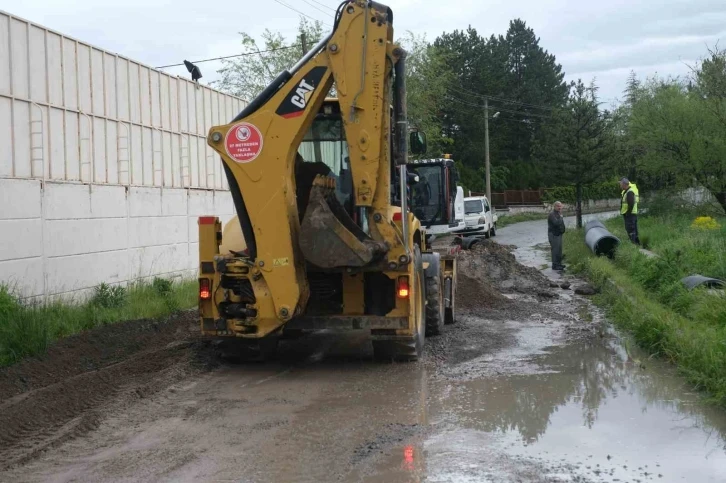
(502, 199)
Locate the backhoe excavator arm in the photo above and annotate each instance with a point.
(259, 149)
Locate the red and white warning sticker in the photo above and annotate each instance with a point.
(243, 142)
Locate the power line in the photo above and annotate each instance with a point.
(232, 56)
(323, 5)
(301, 13)
(318, 8)
(479, 107)
(462, 91)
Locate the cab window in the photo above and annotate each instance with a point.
(472, 207)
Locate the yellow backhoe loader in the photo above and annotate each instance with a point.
(325, 237)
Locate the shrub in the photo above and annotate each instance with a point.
(162, 286)
(109, 297)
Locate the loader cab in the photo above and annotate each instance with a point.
(434, 196)
(324, 150)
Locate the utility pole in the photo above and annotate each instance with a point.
(303, 41)
(486, 149)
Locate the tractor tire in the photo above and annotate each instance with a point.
(434, 307)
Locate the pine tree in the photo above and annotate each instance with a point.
(577, 143)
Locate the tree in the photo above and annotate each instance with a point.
(427, 78)
(512, 67)
(247, 76)
(683, 135)
(576, 144)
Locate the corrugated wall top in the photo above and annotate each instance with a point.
(72, 112)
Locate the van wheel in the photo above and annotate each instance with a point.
(488, 233)
(494, 230)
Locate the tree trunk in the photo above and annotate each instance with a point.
(578, 204)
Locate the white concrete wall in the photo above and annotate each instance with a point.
(104, 165)
(66, 238)
(70, 111)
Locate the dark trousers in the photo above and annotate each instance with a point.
(556, 246)
(631, 227)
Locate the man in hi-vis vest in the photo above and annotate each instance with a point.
(629, 208)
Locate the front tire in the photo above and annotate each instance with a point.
(434, 307)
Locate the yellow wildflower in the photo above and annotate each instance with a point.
(705, 223)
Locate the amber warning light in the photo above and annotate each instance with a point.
(402, 287)
(205, 291)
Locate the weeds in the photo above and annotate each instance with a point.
(28, 328)
(645, 296)
(109, 297)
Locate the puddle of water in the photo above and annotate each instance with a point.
(589, 412)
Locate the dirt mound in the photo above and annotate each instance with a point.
(47, 400)
(496, 269)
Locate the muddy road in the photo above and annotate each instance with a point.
(530, 385)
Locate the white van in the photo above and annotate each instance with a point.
(479, 216)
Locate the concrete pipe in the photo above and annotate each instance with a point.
(699, 280)
(599, 239)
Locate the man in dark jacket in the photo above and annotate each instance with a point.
(555, 230)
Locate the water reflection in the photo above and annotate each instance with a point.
(574, 383)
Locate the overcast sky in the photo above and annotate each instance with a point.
(604, 40)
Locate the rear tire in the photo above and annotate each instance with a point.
(434, 307)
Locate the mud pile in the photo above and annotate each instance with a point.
(66, 392)
(489, 270)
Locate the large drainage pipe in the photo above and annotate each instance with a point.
(599, 239)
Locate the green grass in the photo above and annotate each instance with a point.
(644, 295)
(505, 220)
(29, 328)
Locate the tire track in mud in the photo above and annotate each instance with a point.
(68, 392)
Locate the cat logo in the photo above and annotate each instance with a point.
(300, 99)
(300, 94)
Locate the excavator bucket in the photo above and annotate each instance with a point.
(329, 238)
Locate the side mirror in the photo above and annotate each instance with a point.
(417, 142)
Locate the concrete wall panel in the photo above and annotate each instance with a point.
(24, 277)
(19, 199)
(20, 239)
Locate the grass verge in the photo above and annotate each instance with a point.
(645, 297)
(28, 329)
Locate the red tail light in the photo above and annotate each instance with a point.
(403, 287)
(397, 216)
(205, 289)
